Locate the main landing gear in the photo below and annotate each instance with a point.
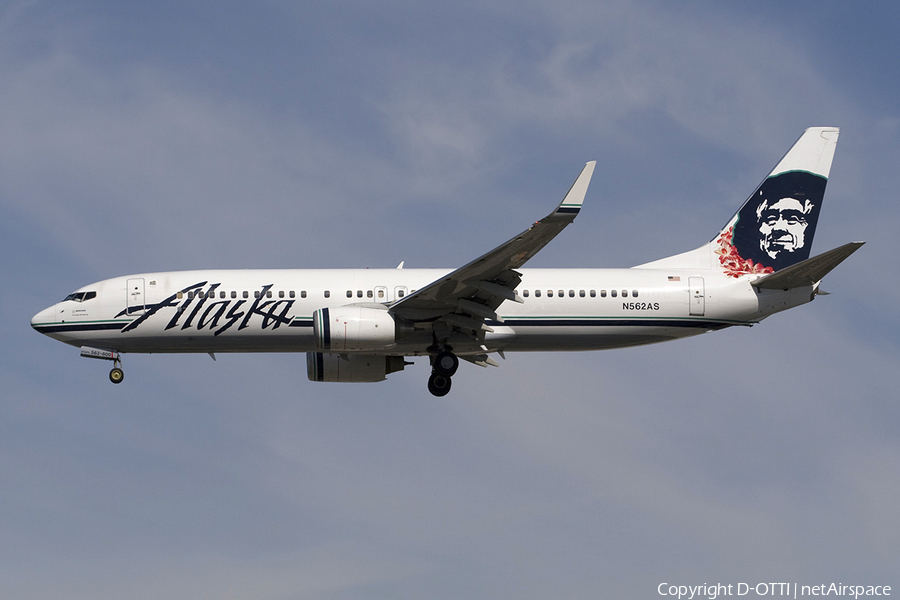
(443, 367)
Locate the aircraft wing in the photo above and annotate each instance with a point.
(472, 293)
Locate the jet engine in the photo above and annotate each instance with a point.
(355, 328)
(358, 368)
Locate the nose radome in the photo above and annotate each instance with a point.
(44, 317)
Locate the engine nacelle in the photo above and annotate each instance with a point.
(351, 368)
(354, 328)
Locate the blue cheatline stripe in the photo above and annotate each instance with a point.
(324, 325)
(588, 322)
(74, 327)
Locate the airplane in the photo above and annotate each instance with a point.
(360, 325)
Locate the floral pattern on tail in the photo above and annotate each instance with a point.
(731, 261)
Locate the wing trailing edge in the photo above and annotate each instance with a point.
(468, 295)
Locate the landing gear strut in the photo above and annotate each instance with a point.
(443, 367)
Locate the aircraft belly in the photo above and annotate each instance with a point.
(192, 341)
(593, 337)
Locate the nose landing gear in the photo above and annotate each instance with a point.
(117, 374)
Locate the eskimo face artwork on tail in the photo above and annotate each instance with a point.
(775, 227)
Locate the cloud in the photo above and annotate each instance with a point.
(307, 135)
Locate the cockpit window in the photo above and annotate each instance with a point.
(81, 296)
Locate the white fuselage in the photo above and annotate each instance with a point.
(272, 310)
(356, 325)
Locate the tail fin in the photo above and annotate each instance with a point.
(775, 227)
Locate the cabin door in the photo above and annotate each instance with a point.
(697, 296)
(135, 300)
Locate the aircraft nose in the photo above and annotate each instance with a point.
(43, 318)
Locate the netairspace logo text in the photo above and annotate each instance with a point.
(793, 590)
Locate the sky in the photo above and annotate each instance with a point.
(140, 137)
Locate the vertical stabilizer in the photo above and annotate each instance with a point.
(775, 226)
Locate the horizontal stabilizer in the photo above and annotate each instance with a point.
(807, 272)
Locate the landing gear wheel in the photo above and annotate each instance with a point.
(438, 385)
(116, 375)
(446, 364)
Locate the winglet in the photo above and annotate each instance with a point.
(571, 204)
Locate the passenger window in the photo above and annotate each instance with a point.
(359, 293)
(221, 294)
(549, 293)
(524, 293)
(368, 293)
(572, 293)
(381, 294)
(537, 293)
(190, 295)
(303, 294)
(593, 293)
(399, 293)
(349, 293)
(561, 294)
(603, 293)
(634, 294)
(245, 294)
(613, 293)
(281, 294)
(327, 294)
(269, 294)
(179, 295)
(624, 293)
(581, 293)
(234, 294)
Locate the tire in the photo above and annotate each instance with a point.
(438, 385)
(116, 375)
(446, 363)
